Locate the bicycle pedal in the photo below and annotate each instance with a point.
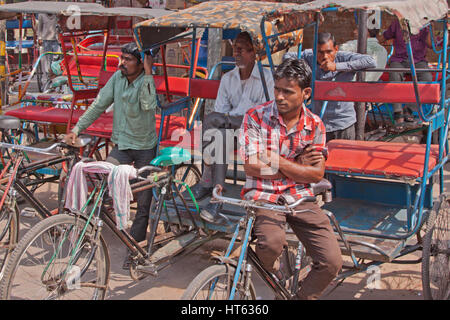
(150, 269)
(28, 212)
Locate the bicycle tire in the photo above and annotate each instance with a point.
(9, 235)
(435, 253)
(190, 174)
(205, 279)
(25, 278)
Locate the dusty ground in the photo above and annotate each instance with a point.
(402, 282)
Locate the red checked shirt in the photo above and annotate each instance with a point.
(263, 128)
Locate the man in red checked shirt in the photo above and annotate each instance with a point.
(283, 145)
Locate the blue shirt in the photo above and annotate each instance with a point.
(339, 114)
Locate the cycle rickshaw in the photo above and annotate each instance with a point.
(383, 206)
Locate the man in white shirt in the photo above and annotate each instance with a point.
(239, 90)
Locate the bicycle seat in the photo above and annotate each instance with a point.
(321, 186)
(9, 122)
(171, 156)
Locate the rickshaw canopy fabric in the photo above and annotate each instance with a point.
(285, 19)
(78, 15)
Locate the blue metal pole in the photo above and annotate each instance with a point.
(314, 63)
(241, 258)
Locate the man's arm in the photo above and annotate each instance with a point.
(104, 99)
(265, 164)
(147, 93)
(274, 166)
(350, 61)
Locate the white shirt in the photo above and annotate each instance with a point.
(375, 49)
(235, 99)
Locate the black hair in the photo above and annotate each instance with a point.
(132, 48)
(324, 37)
(246, 37)
(294, 69)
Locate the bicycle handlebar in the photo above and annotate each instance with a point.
(149, 168)
(30, 149)
(259, 205)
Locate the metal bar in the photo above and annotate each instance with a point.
(263, 80)
(314, 65)
(266, 44)
(241, 257)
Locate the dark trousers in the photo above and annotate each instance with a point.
(215, 125)
(313, 229)
(399, 76)
(138, 158)
(346, 134)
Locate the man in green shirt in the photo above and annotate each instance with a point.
(132, 90)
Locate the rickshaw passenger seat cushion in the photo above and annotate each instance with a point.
(45, 114)
(321, 186)
(385, 159)
(401, 92)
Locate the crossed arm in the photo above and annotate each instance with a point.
(309, 167)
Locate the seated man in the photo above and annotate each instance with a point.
(239, 90)
(399, 59)
(281, 172)
(335, 65)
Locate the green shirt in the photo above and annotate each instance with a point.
(134, 111)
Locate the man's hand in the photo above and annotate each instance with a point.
(70, 138)
(310, 157)
(328, 65)
(148, 64)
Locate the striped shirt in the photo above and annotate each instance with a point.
(263, 128)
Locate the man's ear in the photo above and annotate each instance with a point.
(336, 47)
(307, 93)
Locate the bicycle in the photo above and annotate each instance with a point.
(231, 279)
(18, 183)
(66, 256)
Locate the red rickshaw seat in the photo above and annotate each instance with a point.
(386, 159)
(402, 92)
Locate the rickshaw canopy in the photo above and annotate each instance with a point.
(283, 22)
(91, 15)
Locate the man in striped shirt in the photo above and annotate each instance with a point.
(283, 146)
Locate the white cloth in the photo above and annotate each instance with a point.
(120, 192)
(118, 184)
(374, 49)
(235, 99)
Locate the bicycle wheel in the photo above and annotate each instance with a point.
(39, 267)
(436, 254)
(214, 283)
(9, 230)
(189, 174)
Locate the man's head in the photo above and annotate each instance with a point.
(130, 60)
(243, 50)
(326, 47)
(292, 84)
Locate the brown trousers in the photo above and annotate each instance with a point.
(314, 230)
